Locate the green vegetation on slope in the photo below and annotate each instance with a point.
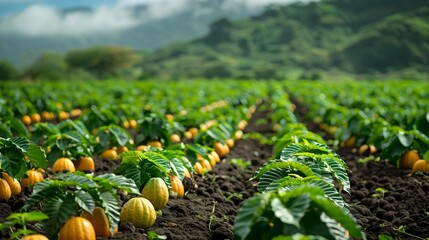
(357, 37)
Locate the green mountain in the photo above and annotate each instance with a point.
(356, 37)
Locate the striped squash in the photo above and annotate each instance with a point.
(138, 211)
(177, 186)
(156, 192)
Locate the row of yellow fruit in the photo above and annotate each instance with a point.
(33, 118)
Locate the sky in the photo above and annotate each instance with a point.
(44, 17)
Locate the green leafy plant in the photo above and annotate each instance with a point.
(17, 155)
(66, 195)
(301, 210)
(379, 193)
(21, 220)
(142, 166)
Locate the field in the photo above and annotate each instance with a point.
(215, 159)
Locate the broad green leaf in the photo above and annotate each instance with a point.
(34, 216)
(12, 162)
(216, 135)
(111, 208)
(21, 143)
(339, 172)
(283, 213)
(37, 156)
(62, 143)
(59, 208)
(5, 131)
(74, 136)
(335, 229)
(47, 187)
(289, 165)
(84, 200)
(336, 213)
(121, 182)
(405, 139)
(248, 215)
(78, 179)
(177, 167)
(120, 134)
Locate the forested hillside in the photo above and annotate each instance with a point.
(354, 37)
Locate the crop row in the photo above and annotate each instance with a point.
(392, 118)
(298, 197)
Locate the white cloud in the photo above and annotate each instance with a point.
(39, 20)
(256, 4)
(42, 20)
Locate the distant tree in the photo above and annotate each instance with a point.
(50, 66)
(102, 61)
(7, 71)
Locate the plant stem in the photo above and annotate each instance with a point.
(212, 216)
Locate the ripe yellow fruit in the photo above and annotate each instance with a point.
(230, 143)
(175, 138)
(133, 124)
(122, 149)
(109, 154)
(242, 125)
(141, 148)
(63, 116)
(194, 131)
(26, 119)
(63, 165)
(238, 134)
(126, 124)
(35, 117)
(188, 135)
(199, 168)
(155, 143)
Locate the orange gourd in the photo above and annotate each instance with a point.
(349, 143)
(157, 144)
(35, 237)
(219, 149)
(5, 191)
(34, 177)
(99, 222)
(109, 154)
(238, 134)
(85, 164)
(156, 191)
(230, 143)
(63, 165)
(77, 228)
(199, 168)
(177, 186)
(187, 173)
(216, 156)
(15, 186)
(175, 138)
(420, 165)
(206, 164)
(138, 211)
(408, 159)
